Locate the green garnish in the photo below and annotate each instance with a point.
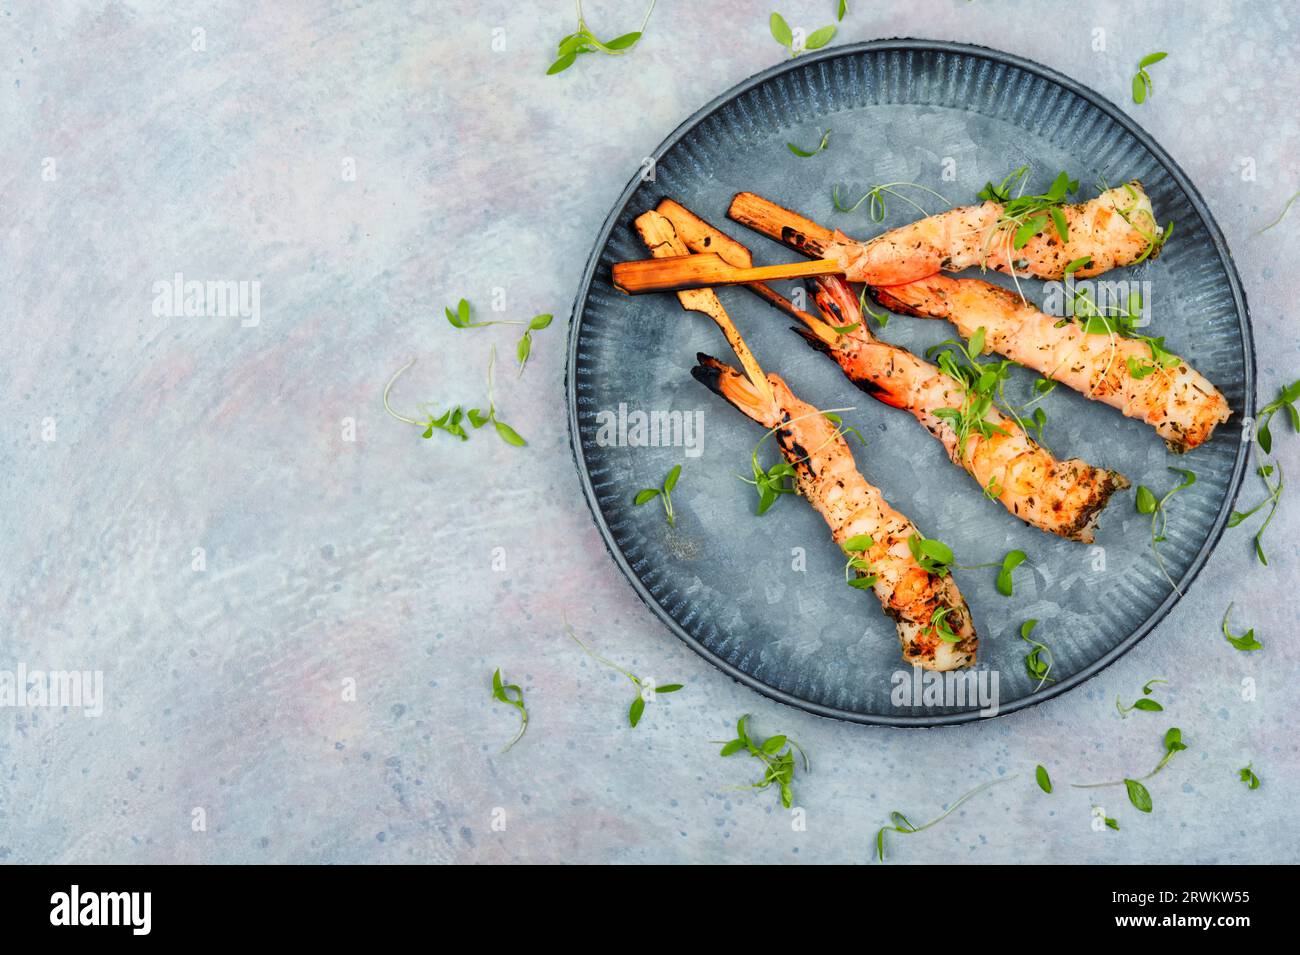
(646, 690)
(805, 153)
(939, 624)
(1044, 781)
(1246, 641)
(902, 826)
(882, 317)
(501, 691)
(664, 493)
(1274, 498)
(1282, 215)
(1286, 398)
(855, 547)
(1110, 823)
(932, 555)
(1247, 776)
(1119, 321)
(1147, 504)
(525, 346)
(583, 41)
(982, 385)
(1038, 661)
(876, 202)
(1024, 217)
(1156, 239)
(462, 318)
(1145, 704)
(1137, 793)
(777, 756)
(842, 9)
(782, 33)
(1142, 84)
(780, 478)
(450, 420)
(1010, 562)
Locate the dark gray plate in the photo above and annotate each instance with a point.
(728, 582)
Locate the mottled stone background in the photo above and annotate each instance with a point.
(130, 155)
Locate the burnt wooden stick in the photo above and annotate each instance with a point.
(701, 236)
(778, 222)
(676, 272)
(663, 241)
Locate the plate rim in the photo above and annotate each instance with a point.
(1145, 139)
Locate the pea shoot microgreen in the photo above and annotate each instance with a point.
(1137, 792)
(1285, 209)
(941, 628)
(1145, 704)
(1044, 780)
(1120, 321)
(1156, 238)
(1142, 84)
(462, 317)
(452, 420)
(932, 555)
(1038, 661)
(856, 548)
(1024, 217)
(1263, 434)
(664, 493)
(875, 199)
(776, 753)
(805, 153)
(841, 9)
(1247, 775)
(646, 689)
(1010, 562)
(503, 691)
(583, 41)
(1286, 398)
(782, 33)
(900, 824)
(1147, 504)
(1246, 642)
(780, 478)
(881, 317)
(983, 388)
(1110, 823)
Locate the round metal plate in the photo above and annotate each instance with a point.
(763, 598)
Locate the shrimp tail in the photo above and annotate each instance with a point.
(739, 391)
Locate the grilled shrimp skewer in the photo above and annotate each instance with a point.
(1178, 401)
(1115, 229)
(934, 625)
(1061, 497)
(923, 605)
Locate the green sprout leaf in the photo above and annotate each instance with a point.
(1044, 781)
(1010, 562)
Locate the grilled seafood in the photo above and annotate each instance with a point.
(1175, 399)
(1061, 497)
(934, 625)
(1115, 229)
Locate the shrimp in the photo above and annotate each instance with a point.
(1115, 229)
(1179, 402)
(1061, 497)
(935, 629)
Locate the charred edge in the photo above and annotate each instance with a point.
(821, 292)
(1091, 511)
(708, 372)
(797, 240)
(885, 300)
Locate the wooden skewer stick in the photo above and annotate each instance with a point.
(673, 273)
(700, 236)
(777, 222)
(661, 238)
